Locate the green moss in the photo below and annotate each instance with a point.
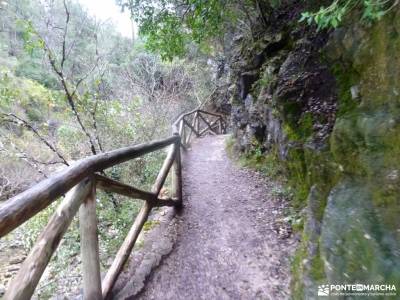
(300, 130)
(346, 142)
(267, 78)
(139, 244)
(317, 271)
(323, 174)
(363, 152)
(346, 77)
(266, 163)
(290, 133)
(306, 125)
(303, 266)
(150, 225)
(256, 158)
(297, 270)
(365, 251)
(296, 171)
(367, 145)
(257, 86)
(229, 145)
(292, 113)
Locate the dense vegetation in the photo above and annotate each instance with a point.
(172, 26)
(71, 86)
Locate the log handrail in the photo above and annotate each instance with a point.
(23, 206)
(78, 183)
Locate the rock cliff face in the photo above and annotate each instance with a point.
(326, 106)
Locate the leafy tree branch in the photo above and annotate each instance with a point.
(333, 15)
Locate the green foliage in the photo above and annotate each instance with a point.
(7, 94)
(169, 26)
(124, 115)
(29, 95)
(114, 223)
(30, 36)
(165, 35)
(257, 159)
(333, 15)
(34, 226)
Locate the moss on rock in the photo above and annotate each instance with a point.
(340, 147)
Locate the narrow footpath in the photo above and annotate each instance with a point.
(232, 242)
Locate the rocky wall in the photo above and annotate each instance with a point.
(327, 105)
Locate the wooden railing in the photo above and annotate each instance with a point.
(78, 183)
(190, 123)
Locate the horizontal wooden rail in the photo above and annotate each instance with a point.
(20, 208)
(123, 189)
(78, 183)
(210, 113)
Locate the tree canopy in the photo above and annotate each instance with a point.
(169, 26)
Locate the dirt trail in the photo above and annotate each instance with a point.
(231, 242)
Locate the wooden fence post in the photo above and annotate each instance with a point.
(180, 128)
(90, 247)
(193, 127)
(25, 282)
(163, 173)
(83, 197)
(197, 123)
(177, 176)
(125, 250)
(220, 125)
(184, 134)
